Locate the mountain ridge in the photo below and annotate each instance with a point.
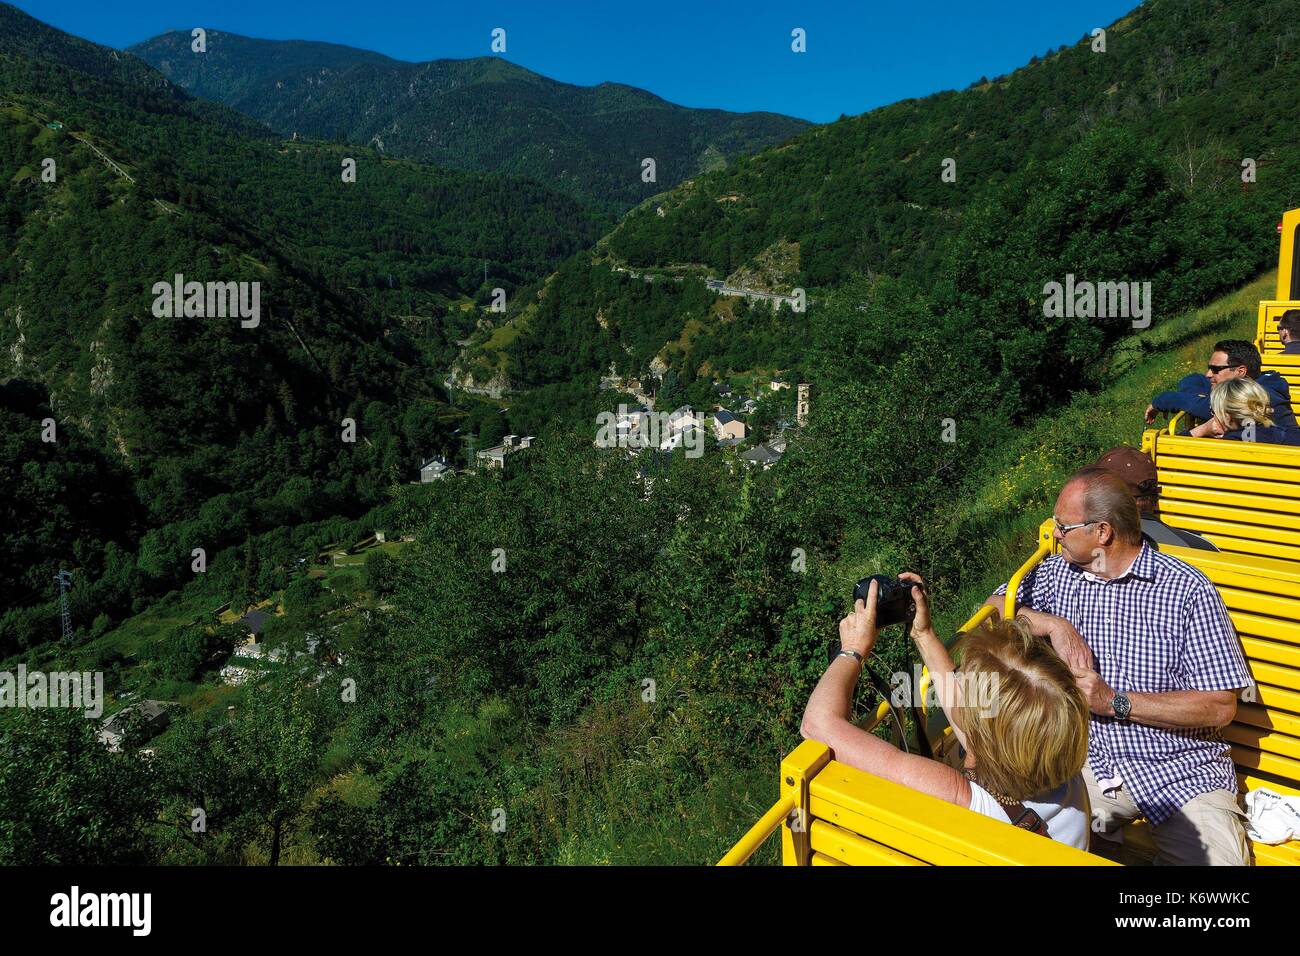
(587, 140)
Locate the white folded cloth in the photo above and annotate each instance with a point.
(1272, 818)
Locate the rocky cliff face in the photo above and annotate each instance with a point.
(493, 384)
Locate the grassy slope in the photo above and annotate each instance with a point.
(1000, 514)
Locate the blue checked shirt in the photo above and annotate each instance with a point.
(1161, 626)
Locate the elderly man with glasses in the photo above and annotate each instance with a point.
(1150, 643)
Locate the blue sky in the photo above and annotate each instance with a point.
(733, 55)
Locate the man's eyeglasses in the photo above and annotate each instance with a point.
(1067, 528)
(1216, 369)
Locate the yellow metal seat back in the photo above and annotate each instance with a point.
(1263, 600)
(859, 819)
(1243, 496)
(1288, 366)
(1270, 346)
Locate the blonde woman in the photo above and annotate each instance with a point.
(1025, 742)
(1241, 413)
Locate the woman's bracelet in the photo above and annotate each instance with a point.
(848, 653)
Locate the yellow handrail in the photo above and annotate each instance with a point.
(973, 622)
(1013, 586)
(757, 835)
(1173, 423)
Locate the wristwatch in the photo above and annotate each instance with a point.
(1121, 705)
(838, 650)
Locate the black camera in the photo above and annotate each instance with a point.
(894, 604)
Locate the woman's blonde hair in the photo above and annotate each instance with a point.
(1241, 400)
(1030, 734)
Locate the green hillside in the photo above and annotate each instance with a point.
(1184, 92)
(177, 433)
(584, 657)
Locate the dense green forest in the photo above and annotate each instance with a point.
(566, 664)
(1110, 206)
(484, 114)
(200, 433)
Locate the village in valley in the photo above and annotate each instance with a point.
(643, 428)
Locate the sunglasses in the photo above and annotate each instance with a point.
(1067, 528)
(1216, 369)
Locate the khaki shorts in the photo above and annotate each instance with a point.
(1208, 830)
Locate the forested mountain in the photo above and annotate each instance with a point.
(484, 113)
(1203, 80)
(1182, 95)
(174, 433)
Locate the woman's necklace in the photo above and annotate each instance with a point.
(970, 775)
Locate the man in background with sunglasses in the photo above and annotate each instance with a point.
(1232, 358)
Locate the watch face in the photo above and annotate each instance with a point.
(1121, 705)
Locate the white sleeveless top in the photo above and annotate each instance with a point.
(1065, 810)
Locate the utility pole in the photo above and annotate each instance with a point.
(65, 613)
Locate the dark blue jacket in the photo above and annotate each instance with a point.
(1264, 435)
(1193, 396)
(1291, 348)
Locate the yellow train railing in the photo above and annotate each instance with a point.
(789, 813)
(833, 814)
(758, 834)
(974, 621)
(1045, 544)
(1288, 268)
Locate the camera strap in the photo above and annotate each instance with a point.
(918, 712)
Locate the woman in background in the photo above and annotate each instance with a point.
(1241, 413)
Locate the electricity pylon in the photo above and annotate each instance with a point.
(65, 613)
